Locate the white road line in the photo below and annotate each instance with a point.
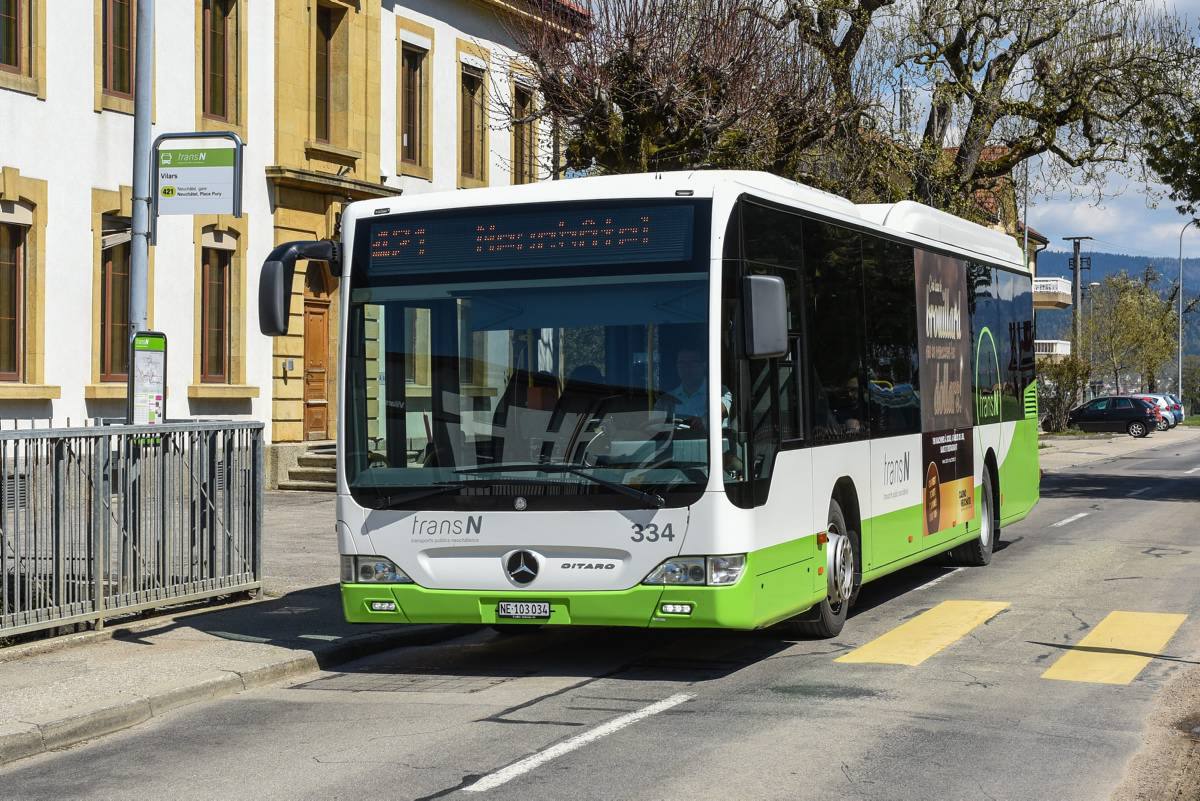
(1193, 470)
(494, 780)
(1070, 519)
(938, 580)
(1136, 492)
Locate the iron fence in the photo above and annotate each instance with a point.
(98, 522)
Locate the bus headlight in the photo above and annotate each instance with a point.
(725, 569)
(372, 570)
(698, 570)
(680, 570)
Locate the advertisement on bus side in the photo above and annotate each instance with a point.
(944, 340)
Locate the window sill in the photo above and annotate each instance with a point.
(330, 152)
(416, 171)
(20, 82)
(222, 391)
(209, 124)
(15, 391)
(122, 105)
(109, 390)
(465, 182)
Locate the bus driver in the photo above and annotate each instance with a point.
(689, 399)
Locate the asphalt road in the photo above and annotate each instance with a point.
(610, 714)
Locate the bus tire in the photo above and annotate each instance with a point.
(978, 552)
(827, 618)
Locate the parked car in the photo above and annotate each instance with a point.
(1169, 420)
(1119, 413)
(1178, 404)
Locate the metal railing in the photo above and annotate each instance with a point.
(1052, 347)
(99, 522)
(1051, 286)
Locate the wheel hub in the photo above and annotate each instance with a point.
(840, 567)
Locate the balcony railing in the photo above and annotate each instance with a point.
(1049, 285)
(1052, 347)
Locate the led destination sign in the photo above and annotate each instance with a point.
(491, 238)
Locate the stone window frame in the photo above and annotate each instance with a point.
(413, 35)
(30, 75)
(24, 200)
(224, 232)
(238, 56)
(469, 57)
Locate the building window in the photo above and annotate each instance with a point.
(10, 35)
(118, 42)
(214, 315)
(220, 59)
(471, 117)
(524, 137)
(12, 289)
(322, 87)
(412, 105)
(114, 304)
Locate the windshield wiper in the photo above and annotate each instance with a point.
(388, 501)
(651, 499)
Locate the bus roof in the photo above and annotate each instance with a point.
(906, 220)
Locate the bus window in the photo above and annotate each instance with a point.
(892, 378)
(834, 286)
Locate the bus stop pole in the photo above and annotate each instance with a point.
(139, 246)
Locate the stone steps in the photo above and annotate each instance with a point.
(308, 486)
(315, 470)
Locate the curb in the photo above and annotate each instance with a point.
(21, 739)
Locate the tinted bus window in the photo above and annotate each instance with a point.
(892, 376)
(834, 282)
(989, 335)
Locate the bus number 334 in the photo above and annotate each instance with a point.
(651, 533)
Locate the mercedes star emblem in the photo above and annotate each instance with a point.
(520, 504)
(522, 567)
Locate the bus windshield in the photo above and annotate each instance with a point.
(540, 357)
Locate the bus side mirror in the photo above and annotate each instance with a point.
(275, 280)
(766, 316)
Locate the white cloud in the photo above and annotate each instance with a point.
(1121, 223)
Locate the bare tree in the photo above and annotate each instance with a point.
(1067, 82)
(676, 84)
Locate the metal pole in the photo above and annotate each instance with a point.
(1179, 386)
(1025, 219)
(1077, 293)
(139, 246)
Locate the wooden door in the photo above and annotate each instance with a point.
(316, 369)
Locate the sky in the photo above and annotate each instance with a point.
(1125, 222)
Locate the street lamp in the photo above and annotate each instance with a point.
(1182, 231)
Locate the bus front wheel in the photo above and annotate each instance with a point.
(827, 618)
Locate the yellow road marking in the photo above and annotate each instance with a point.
(913, 642)
(1117, 649)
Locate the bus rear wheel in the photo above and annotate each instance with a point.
(978, 552)
(827, 618)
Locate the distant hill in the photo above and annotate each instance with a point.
(1055, 324)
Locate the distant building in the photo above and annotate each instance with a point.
(337, 100)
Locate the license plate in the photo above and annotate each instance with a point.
(523, 610)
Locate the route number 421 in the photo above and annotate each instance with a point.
(651, 533)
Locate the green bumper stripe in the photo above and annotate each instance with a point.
(778, 583)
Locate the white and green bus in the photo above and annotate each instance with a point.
(695, 399)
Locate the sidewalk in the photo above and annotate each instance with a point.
(1064, 452)
(59, 692)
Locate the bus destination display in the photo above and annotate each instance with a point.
(477, 239)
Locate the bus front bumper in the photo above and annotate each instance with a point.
(644, 606)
